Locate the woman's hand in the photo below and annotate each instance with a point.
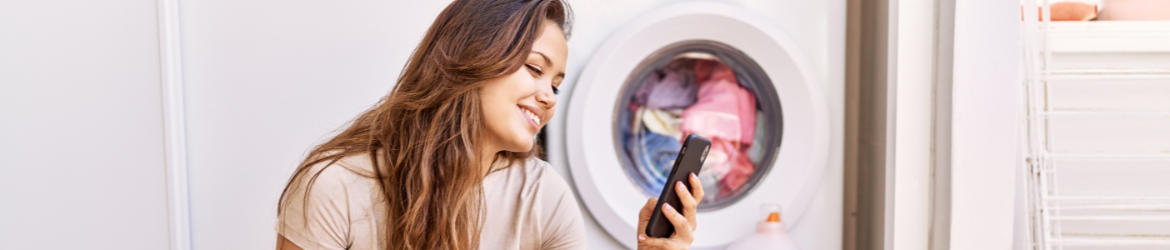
(684, 223)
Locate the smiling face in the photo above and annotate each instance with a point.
(516, 105)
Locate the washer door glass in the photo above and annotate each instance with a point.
(705, 88)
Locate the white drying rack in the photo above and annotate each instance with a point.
(1051, 210)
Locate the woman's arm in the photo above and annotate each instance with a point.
(317, 216)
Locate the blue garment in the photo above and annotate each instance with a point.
(654, 156)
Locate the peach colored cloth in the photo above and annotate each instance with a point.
(1069, 11)
(1135, 10)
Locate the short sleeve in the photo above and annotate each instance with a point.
(563, 228)
(320, 219)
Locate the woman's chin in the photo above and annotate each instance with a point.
(521, 146)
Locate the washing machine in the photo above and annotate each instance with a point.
(728, 72)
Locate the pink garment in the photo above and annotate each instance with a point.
(730, 164)
(725, 112)
(724, 109)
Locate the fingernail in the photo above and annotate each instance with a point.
(694, 177)
(641, 237)
(680, 185)
(668, 206)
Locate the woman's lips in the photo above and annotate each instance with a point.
(531, 117)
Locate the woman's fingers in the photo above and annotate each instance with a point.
(688, 202)
(684, 221)
(657, 243)
(697, 186)
(681, 226)
(644, 215)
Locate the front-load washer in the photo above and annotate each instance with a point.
(711, 69)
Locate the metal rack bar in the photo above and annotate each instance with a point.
(1112, 157)
(1152, 71)
(1128, 241)
(1127, 207)
(1109, 198)
(1112, 218)
(1107, 114)
(1066, 77)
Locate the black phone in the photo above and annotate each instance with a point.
(690, 160)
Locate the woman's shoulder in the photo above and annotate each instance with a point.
(350, 167)
(334, 178)
(324, 203)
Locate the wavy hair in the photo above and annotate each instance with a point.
(421, 137)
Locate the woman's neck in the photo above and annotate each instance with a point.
(486, 158)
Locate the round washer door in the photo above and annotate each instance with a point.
(614, 199)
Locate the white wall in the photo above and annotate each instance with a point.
(81, 159)
(985, 112)
(267, 80)
(910, 120)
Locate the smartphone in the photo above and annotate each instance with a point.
(690, 160)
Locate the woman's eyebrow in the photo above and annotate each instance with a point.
(549, 62)
(546, 60)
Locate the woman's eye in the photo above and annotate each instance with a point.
(534, 69)
(556, 90)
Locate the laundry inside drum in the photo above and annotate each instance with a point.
(704, 88)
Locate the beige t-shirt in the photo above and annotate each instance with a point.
(528, 206)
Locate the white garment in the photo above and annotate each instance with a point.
(663, 122)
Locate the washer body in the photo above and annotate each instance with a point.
(582, 138)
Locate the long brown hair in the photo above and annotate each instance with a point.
(420, 137)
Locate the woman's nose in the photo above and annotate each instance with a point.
(547, 98)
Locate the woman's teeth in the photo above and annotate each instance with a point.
(531, 116)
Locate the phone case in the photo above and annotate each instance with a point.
(690, 160)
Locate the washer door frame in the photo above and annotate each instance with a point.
(614, 200)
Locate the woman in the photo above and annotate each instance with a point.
(446, 160)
